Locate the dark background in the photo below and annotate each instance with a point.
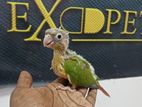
(111, 60)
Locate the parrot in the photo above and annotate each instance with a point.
(67, 64)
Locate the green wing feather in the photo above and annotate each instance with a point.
(79, 72)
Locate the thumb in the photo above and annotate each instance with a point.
(25, 80)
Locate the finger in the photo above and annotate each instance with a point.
(77, 98)
(93, 93)
(61, 81)
(55, 84)
(83, 91)
(70, 99)
(47, 94)
(67, 98)
(92, 96)
(56, 98)
(25, 80)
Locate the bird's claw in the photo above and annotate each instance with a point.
(65, 88)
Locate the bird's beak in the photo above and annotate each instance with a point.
(48, 42)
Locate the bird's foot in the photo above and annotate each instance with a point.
(65, 88)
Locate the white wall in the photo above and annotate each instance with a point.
(124, 93)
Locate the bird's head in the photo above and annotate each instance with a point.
(56, 39)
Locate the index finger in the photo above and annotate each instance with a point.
(92, 96)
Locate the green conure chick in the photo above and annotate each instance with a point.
(68, 64)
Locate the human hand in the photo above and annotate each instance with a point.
(25, 95)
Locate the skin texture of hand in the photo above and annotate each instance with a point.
(25, 95)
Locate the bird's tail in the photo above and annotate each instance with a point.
(103, 90)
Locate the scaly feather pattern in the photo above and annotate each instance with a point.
(81, 73)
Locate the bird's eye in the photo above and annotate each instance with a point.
(59, 36)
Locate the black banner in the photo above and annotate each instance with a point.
(107, 33)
